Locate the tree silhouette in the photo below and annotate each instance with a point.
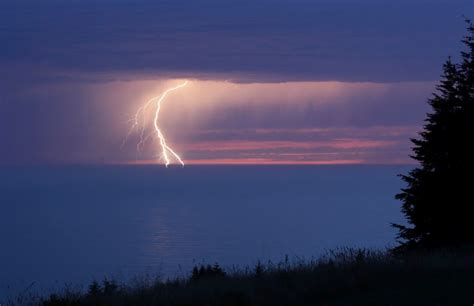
(438, 199)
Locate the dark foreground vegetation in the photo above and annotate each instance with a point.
(346, 277)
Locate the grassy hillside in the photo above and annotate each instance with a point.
(347, 277)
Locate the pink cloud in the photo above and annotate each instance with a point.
(242, 145)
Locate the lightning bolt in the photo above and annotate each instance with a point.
(167, 154)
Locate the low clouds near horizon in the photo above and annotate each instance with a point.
(220, 122)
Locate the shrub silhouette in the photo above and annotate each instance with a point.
(207, 272)
(437, 201)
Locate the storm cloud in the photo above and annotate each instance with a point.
(72, 72)
(264, 40)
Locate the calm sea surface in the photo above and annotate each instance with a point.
(73, 224)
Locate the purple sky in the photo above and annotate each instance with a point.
(272, 81)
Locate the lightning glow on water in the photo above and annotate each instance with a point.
(168, 155)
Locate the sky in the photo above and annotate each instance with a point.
(270, 81)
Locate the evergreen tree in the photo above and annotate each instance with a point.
(438, 200)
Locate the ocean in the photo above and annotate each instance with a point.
(73, 224)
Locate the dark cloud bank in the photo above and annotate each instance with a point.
(285, 40)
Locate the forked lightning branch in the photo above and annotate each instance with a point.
(167, 155)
